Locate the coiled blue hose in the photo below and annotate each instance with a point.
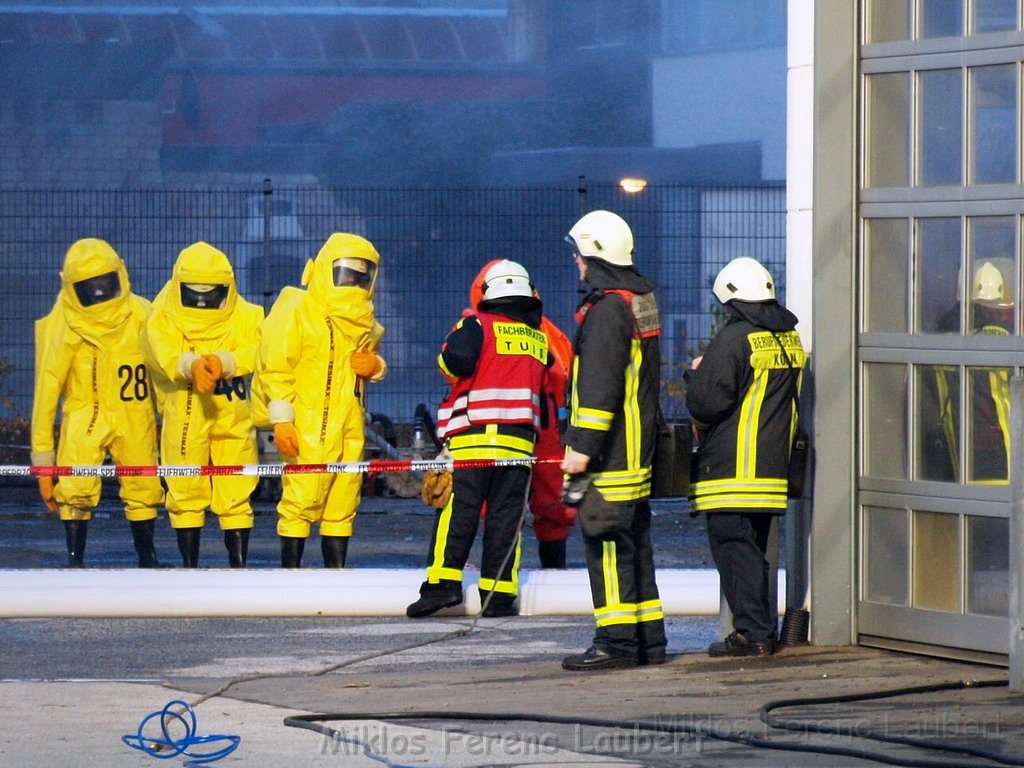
(168, 746)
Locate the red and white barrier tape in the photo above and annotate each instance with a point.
(372, 467)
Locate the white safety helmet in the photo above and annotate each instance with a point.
(744, 279)
(506, 278)
(990, 287)
(603, 235)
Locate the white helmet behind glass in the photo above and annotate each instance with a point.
(744, 279)
(990, 286)
(506, 278)
(603, 235)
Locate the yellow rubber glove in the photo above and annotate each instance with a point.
(46, 491)
(286, 438)
(214, 366)
(202, 376)
(365, 364)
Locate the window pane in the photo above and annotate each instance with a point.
(885, 430)
(940, 144)
(936, 561)
(887, 555)
(994, 15)
(937, 421)
(887, 130)
(992, 247)
(888, 21)
(988, 565)
(887, 257)
(988, 424)
(937, 288)
(994, 124)
(942, 18)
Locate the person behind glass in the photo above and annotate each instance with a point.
(552, 518)
(609, 444)
(742, 397)
(497, 359)
(318, 350)
(89, 362)
(991, 314)
(201, 345)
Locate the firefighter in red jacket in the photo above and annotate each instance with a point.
(552, 519)
(498, 361)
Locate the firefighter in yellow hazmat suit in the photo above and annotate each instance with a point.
(88, 355)
(201, 344)
(317, 350)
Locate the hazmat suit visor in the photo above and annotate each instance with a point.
(203, 296)
(98, 289)
(353, 272)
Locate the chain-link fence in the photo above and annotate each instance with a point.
(432, 243)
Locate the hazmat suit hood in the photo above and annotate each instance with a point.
(93, 258)
(347, 304)
(199, 264)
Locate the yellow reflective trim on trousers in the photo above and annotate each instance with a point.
(507, 587)
(747, 427)
(436, 570)
(649, 610)
(502, 587)
(631, 405)
(609, 561)
(623, 613)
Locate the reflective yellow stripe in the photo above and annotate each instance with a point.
(610, 574)
(507, 587)
(631, 405)
(747, 427)
(497, 443)
(436, 570)
(444, 368)
(649, 610)
(738, 501)
(591, 418)
(622, 613)
(623, 484)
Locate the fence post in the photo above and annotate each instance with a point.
(268, 191)
(1016, 575)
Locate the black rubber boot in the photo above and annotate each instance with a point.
(552, 554)
(236, 541)
(188, 545)
(142, 535)
(335, 550)
(75, 532)
(291, 551)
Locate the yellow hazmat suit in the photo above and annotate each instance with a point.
(88, 353)
(201, 350)
(318, 346)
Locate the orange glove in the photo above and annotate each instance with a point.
(365, 364)
(286, 438)
(46, 491)
(214, 366)
(202, 376)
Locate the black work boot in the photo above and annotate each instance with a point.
(335, 550)
(75, 532)
(552, 553)
(434, 597)
(188, 546)
(291, 551)
(236, 541)
(500, 605)
(142, 535)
